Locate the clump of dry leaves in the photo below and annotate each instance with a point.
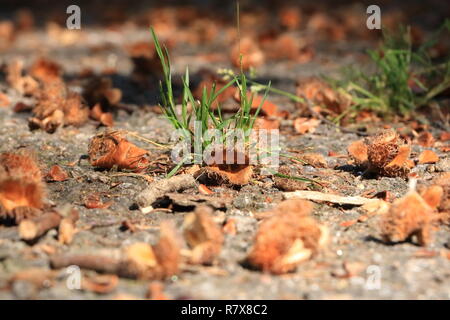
(286, 238)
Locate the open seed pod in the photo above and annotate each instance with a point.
(22, 191)
(234, 169)
(384, 154)
(203, 236)
(408, 216)
(110, 149)
(388, 154)
(287, 238)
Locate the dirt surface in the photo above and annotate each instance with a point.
(404, 270)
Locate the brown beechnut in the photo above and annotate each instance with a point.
(21, 188)
(203, 236)
(287, 238)
(384, 154)
(110, 149)
(235, 171)
(408, 217)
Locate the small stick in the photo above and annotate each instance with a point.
(159, 188)
(101, 264)
(320, 196)
(30, 229)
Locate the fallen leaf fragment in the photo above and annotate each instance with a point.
(425, 139)
(348, 223)
(428, 156)
(93, 201)
(101, 284)
(445, 136)
(306, 125)
(314, 159)
(56, 173)
(288, 184)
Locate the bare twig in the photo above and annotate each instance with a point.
(159, 188)
(94, 262)
(320, 196)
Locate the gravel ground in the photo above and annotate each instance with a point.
(398, 269)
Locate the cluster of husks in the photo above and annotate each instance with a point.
(111, 149)
(57, 106)
(288, 237)
(203, 236)
(21, 188)
(384, 154)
